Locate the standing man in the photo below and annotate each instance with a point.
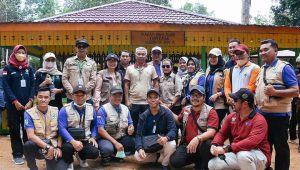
(122, 67)
(231, 46)
(242, 75)
(79, 70)
(200, 123)
(156, 55)
(41, 124)
(250, 148)
(78, 116)
(276, 86)
(139, 78)
(157, 123)
(115, 127)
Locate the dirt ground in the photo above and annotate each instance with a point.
(129, 164)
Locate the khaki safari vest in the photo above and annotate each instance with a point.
(74, 118)
(116, 123)
(45, 125)
(272, 104)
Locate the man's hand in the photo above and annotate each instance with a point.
(94, 142)
(128, 104)
(216, 150)
(142, 154)
(192, 146)
(19, 106)
(162, 140)
(214, 97)
(77, 145)
(28, 105)
(50, 153)
(57, 153)
(47, 81)
(119, 146)
(269, 90)
(56, 91)
(130, 130)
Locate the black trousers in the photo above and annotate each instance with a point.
(31, 152)
(181, 158)
(88, 151)
(15, 122)
(278, 136)
(135, 111)
(221, 114)
(295, 119)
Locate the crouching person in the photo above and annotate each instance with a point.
(41, 124)
(156, 132)
(77, 126)
(250, 148)
(115, 128)
(200, 123)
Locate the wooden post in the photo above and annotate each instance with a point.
(258, 57)
(203, 58)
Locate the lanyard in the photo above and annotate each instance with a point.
(80, 66)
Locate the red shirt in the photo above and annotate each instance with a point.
(250, 133)
(191, 129)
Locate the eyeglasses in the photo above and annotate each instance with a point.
(82, 46)
(166, 66)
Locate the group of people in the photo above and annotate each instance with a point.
(139, 109)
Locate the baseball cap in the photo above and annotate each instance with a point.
(112, 56)
(82, 42)
(156, 48)
(116, 89)
(243, 94)
(215, 51)
(241, 47)
(198, 88)
(79, 88)
(152, 90)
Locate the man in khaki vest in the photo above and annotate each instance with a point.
(276, 86)
(79, 115)
(200, 123)
(115, 127)
(41, 124)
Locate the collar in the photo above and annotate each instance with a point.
(85, 59)
(167, 77)
(136, 66)
(118, 108)
(41, 111)
(274, 62)
(252, 114)
(77, 109)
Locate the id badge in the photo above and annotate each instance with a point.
(154, 129)
(80, 81)
(23, 83)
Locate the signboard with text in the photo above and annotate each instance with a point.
(163, 38)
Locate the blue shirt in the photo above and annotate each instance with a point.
(157, 69)
(149, 124)
(209, 88)
(63, 123)
(289, 79)
(101, 116)
(28, 122)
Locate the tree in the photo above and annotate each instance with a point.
(10, 10)
(36, 9)
(287, 12)
(260, 19)
(196, 8)
(158, 2)
(246, 4)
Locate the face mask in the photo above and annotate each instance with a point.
(49, 64)
(20, 57)
(79, 106)
(242, 62)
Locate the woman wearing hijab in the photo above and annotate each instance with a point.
(49, 76)
(18, 84)
(182, 70)
(214, 86)
(105, 80)
(194, 77)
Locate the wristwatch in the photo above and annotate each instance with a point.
(227, 148)
(45, 150)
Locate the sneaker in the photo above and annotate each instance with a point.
(105, 161)
(82, 163)
(70, 167)
(166, 167)
(18, 161)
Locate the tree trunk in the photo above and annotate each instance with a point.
(246, 11)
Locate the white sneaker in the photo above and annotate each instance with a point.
(70, 167)
(18, 161)
(82, 163)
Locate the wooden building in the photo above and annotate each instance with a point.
(128, 24)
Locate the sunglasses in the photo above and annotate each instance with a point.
(166, 66)
(82, 46)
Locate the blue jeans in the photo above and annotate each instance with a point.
(107, 149)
